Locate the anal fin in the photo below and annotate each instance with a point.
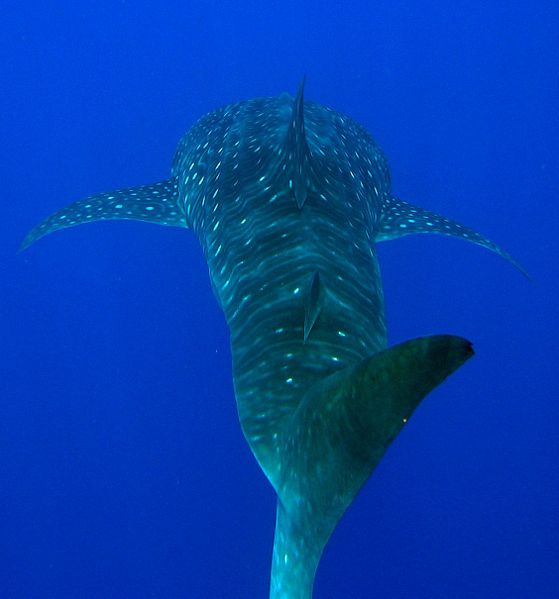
(156, 203)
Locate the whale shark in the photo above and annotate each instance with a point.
(288, 198)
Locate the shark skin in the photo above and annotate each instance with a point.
(287, 198)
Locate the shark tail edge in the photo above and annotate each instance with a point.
(400, 219)
(337, 436)
(156, 203)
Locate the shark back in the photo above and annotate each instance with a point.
(298, 280)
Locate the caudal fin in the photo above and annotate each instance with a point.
(156, 203)
(337, 436)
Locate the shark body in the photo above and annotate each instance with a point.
(287, 199)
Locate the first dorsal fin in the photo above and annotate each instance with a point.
(297, 150)
(156, 203)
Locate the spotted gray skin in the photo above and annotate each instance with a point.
(287, 199)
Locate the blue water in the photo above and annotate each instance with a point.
(123, 471)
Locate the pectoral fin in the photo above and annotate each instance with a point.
(156, 203)
(399, 218)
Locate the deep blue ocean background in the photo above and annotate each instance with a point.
(123, 470)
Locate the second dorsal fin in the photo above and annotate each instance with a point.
(297, 151)
(313, 304)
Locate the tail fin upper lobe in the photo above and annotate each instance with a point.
(335, 439)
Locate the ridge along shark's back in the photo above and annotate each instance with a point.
(287, 199)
